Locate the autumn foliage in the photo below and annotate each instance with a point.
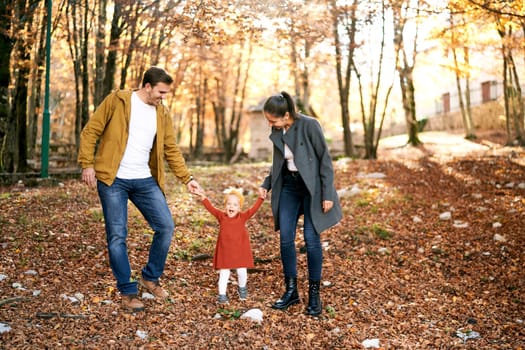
(393, 269)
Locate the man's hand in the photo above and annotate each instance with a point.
(88, 176)
(194, 187)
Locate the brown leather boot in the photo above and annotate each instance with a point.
(154, 288)
(132, 303)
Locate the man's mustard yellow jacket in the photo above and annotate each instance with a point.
(110, 124)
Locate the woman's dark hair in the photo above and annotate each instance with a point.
(156, 75)
(278, 105)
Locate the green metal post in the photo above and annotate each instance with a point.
(44, 161)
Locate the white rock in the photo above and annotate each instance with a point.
(254, 315)
(445, 215)
(17, 285)
(521, 185)
(477, 195)
(460, 224)
(371, 343)
(383, 250)
(142, 334)
(327, 283)
(509, 185)
(345, 192)
(37, 292)
(467, 335)
(71, 299)
(416, 219)
(2, 277)
(499, 238)
(371, 175)
(79, 296)
(31, 272)
(147, 296)
(4, 328)
(496, 225)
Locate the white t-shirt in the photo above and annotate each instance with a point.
(142, 130)
(288, 155)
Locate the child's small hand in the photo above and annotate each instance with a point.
(262, 193)
(200, 193)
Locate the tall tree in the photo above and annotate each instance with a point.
(373, 117)
(117, 28)
(459, 41)
(6, 47)
(514, 106)
(100, 54)
(37, 72)
(406, 51)
(344, 17)
(306, 28)
(78, 18)
(508, 18)
(24, 14)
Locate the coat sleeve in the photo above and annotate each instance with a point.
(326, 170)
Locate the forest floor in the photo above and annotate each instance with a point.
(429, 255)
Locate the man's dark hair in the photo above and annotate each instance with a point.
(156, 75)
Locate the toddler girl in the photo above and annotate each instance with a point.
(233, 250)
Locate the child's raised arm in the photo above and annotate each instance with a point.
(200, 192)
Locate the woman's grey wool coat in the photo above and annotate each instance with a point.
(305, 138)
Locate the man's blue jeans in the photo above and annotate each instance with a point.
(294, 201)
(146, 195)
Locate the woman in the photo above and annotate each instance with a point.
(301, 179)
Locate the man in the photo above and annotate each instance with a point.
(136, 136)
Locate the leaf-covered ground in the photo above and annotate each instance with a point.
(393, 270)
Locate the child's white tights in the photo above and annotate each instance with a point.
(224, 275)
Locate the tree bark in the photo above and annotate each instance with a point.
(6, 47)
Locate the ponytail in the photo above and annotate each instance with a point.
(277, 105)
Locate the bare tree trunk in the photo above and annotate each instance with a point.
(114, 39)
(6, 47)
(514, 105)
(471, 132)
(24, 12)
(405, 70)
(100, 46)
(78, 36)
(343, 78)
(371, 141)
(35, 105)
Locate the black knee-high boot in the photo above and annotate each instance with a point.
(314, 300)
(290, 296)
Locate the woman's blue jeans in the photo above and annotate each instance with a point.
(146, 195)
(294, 201)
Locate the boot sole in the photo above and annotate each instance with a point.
(136, 309)
(284, 307)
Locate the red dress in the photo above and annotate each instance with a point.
(233, 248)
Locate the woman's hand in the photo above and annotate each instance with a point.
(263, 192)
(327, 205)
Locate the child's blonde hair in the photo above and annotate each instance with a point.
(234, 192)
